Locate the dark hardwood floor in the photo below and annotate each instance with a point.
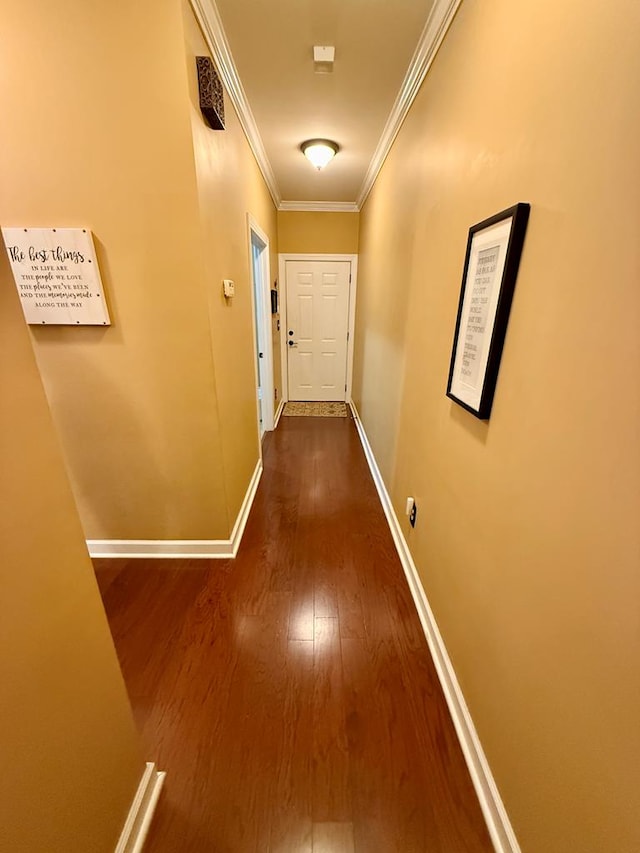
(289, 693)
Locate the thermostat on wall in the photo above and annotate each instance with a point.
(228, 287)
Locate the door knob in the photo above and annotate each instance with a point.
(292, 343)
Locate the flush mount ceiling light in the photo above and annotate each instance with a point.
(319, 151)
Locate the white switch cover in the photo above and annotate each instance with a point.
(229, 287)
(324, 53)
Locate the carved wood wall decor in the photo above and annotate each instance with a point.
(211, 93)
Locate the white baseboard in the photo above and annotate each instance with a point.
(212, 549)
(216, 549)
(495, 815)
(279, 413)
(245, 509)
(144, 803)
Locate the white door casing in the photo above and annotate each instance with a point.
(258, 307)
(317, 325)
(261, 316)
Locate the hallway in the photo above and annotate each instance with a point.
(289, 694)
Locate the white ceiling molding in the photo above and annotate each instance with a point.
(323, 206)
(208, 17)
(439, 21)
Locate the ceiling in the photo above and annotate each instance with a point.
(264, 52)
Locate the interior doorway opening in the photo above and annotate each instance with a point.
(263, 347)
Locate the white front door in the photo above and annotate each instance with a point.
(316, 331)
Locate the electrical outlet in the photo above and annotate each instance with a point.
(413, 514)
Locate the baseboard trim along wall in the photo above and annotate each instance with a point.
(497, 820)
(216, 549)
(141, 812)
(276, 419)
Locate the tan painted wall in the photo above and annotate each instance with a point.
(305, 232)
(159, 442)
(70, 756)
(527, 539)
(230, 185)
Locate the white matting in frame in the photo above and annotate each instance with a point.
(491, 265)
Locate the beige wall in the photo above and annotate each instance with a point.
(306, 232)
(230, 186)
(155, 414)
(70, 755)
(527, 539)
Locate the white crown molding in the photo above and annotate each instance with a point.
(439, 21)
(440, 18)
(212, 549)
(209, 19)
(495, 814)
(320, 206)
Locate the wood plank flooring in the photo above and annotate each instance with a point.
(289, 693)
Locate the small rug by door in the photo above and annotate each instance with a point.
(315, 410)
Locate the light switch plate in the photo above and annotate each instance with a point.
(228, 287)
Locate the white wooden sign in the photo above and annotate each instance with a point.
(57, 276)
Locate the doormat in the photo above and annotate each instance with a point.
(315, 410)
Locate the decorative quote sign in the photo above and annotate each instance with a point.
(488, 280)
(57, 276)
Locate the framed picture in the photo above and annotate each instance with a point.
(57, 275)
(488, 280)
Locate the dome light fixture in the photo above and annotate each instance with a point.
(319, 151)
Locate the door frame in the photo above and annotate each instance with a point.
(282, 270)
(255, 232)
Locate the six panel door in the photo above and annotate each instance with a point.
(316, 331)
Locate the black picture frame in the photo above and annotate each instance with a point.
(491, 263)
